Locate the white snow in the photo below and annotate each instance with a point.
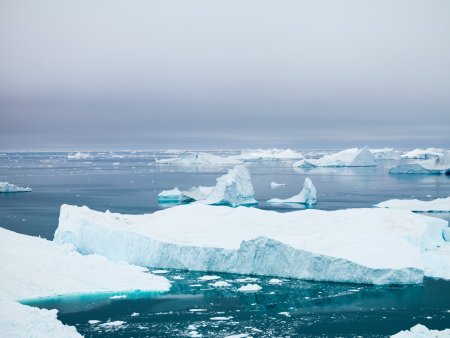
(17, 320)
(173, 195)
(436, 205)
(307, 196)
(269, 155)
(379, 246)
(199, 158)
(8, 187)
(421, 331)
(423, 154)
(353, 157)
(250, 288)
(275, 185)
(79, 156)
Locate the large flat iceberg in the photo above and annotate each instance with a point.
(269, 155)
(8, 188)
(353, 157)
(200, 158)
(307, 196)
(378, 246)
(436, 205)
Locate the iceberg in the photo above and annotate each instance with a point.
(275, 185)
(33, 268)
(423, 154)
(170, 196)
(79, 156)
(353, 157)
(386, 154)
(199, 158)
(274, 154)
(9, 188)
(307, 196)
(434, 166)
(198, 193)
(436, 205)
(372, 246)
(421, 331)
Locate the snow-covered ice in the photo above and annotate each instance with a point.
(423, 154)
(199, 158)
(353, 157)
(379, 246)
(8, 188)
(307, 196)
(436, 205)
(421, 331)
(386, 153)
(208, 278)
(250, 288)
(275, 185)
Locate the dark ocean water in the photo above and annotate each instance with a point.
(129, 183)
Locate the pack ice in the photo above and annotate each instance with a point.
(436, 205)
(433, 166)
(8, 187)
(199, 158)
(353, 157)
(307, 196)
(233, 189)
(378, 246)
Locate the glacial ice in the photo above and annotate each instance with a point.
(198, 193)
(421, 331)
(169, 196)
(275, 185)
(377, 246)
(199, 158)
(307, 196)
(274, 154)
(434, 166)
(353, 157)
(423, 154)
(79, 156)
(386, 153)
(436, 205)
(9, 188)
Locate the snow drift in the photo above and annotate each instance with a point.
(379, 246)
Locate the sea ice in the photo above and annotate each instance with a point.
(275, 185)
(386, 154)
(269, 155)
(220, 284)
(421, 331)
(250, 288)
(433, 166)
(208, 278)
(8, 188)
(167, 196)
(307, 196)
(423, 154)
(353, 157)
(79, 156)
(199, 158)
(374, 245)
(436, 205)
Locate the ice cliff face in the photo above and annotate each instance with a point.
(378, 246)
(307, 196)
(353, 157)
(8, 187)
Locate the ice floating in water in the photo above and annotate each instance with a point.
(220, 284)
(250, 288)
(170, 196)
(423, 154)
(434, 166)
(8, 188)
(269, 155)
(198, 193)
(307, 196)
(353, 157)
(275, 185)
(199, 158)
(208, 278)
(437, 205)
(421, 331)
(378, 246)
(386, 154)
(79, 156)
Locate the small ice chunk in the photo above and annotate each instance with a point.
(221, 318)
(197, 310)
(307, 196)
(275, 281)
(135, 314)
(93, 321)
(167, 196)
(194, 334)
(275, 185)
(286, 314)
(116, 323)
(6, 187)
(160, 272)
(220, 284)
(208, 278)
(250, 288)
(118, 297)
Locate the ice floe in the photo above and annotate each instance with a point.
(353, 157)
(200, 158)
(436, 205)
(307, 196)
(421, 331)
(378, 246)
(250, 288)
(10, 188)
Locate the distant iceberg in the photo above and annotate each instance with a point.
(307, 196)
(353, 157)
(375, 246)
(199, 158)
(79, 156)
(434, 166)
(386, 154)
(9, 188)
(269, 155)
(424, 154)
(275, 185)
(436, 205)
(421, 331)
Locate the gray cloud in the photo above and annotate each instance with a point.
(224, 73)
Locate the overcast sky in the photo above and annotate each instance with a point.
(224, 74)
